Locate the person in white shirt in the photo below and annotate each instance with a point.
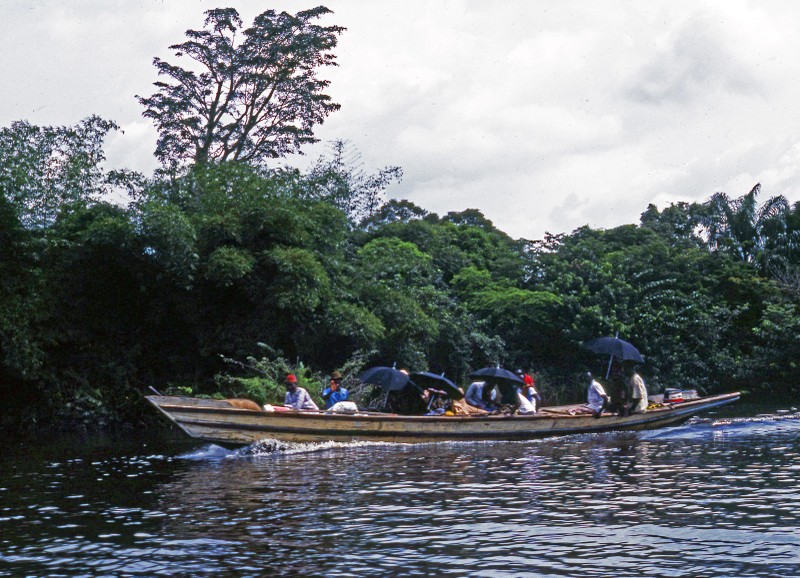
(637, 389)
(597, 398)
(525, 406)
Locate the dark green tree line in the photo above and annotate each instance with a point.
(222, 257)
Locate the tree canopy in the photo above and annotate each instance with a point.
(229, 266)
(249, 94)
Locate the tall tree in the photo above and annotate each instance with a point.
(257, 95)
(740, 227)
(339, 179)
(43, 168)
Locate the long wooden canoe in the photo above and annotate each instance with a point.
(217, 422)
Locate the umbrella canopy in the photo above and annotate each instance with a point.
(436, 381)
(497, 373)
(615, 347)
(387, 378)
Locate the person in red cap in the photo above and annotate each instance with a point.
(297, 397)
(529, 389)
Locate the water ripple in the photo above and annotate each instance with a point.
(712, 497)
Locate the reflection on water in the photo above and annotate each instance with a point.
(714, 497)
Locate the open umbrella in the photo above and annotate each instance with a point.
(615, 347)
(495, 373)
(436, 381)
(387, 378)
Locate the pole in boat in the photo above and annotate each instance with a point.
(386, 397)
(611, 359)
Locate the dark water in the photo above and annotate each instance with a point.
(717, 497)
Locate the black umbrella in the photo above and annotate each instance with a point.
(497, 373)
(436, 381)
(615, 347)
(387, 378)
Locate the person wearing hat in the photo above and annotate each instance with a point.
(297, 397)
(334, 393)
(529, 390)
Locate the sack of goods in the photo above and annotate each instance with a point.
(343, 407)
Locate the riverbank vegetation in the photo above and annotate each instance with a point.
(220, 271)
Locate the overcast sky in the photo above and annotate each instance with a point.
(544, 115)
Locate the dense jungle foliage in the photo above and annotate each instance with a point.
(218, 274)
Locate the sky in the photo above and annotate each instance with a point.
(545, 116)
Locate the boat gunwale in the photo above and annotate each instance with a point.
(234, 427)
(544, 414)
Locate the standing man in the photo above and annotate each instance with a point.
(334, 393)
(297, 397)
(637, 390)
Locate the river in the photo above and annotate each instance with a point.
(718, 496)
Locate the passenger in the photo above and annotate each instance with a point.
(481, 395)
(529, 390)
(509, 397)
(617, 390)
(407, 401)
(297, 397)
(525, 406)
(637, 389)
(597, 399)
(334, 393)
(437, 401)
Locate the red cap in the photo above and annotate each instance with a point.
(528, 379)
(291, 378)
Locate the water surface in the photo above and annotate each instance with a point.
(713, 497)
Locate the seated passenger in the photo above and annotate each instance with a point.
(297, 397)
(407, 401)
(334, 393)
(617, 390)
(437, 401)
(530, 393)
(525, 406)
(481, 395)
(597, 398)
(509, 397)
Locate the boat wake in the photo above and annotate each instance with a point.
(782, 422)
(270, 447)
(697, 427)
(209, 452)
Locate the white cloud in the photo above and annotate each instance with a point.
(543, 115)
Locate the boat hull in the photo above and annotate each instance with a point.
(217, 422)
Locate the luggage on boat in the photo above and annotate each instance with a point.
(343, 407)
(672, 395)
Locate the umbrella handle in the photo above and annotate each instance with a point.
(608, 371)
(386, 399)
